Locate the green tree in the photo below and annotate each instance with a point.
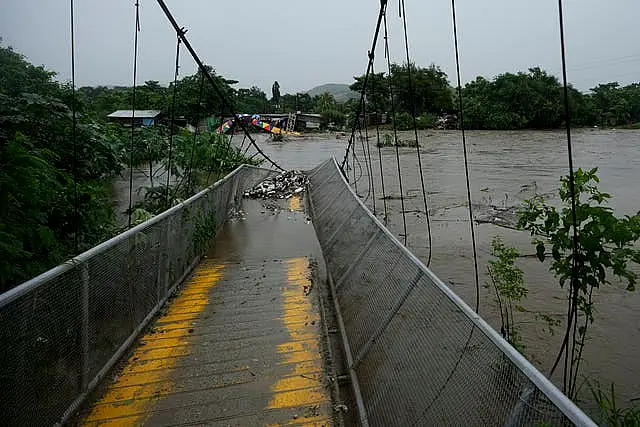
(377, 92)
(325, 102)
(507, 280)
(431, 91)
(604, 247)
(251, 101)
(37, 198)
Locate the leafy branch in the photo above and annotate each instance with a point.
(604, 248)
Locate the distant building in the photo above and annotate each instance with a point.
(141, 118)
(310, 121)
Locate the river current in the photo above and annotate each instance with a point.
(505, 169)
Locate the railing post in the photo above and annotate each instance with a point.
(84, 365)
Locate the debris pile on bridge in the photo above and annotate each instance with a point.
(283, 186)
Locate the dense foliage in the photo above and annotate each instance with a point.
(38, 223)
(37, 198)
(525, 100)
(605, 249)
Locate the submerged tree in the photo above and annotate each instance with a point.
(275, 94)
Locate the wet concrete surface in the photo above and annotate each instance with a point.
(240, 344)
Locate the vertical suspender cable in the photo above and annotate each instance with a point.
(573, 291)
(173, 118)
(464, 151)
(395, 129)
(415, 130)
(384, 193)
(367, 155)
(353, 154)
(367, 160)
(74, 136)
(464, 145)
(133, 108)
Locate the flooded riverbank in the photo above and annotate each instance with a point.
(505, 169)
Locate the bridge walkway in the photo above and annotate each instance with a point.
(241, 343)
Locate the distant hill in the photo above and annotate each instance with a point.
(340, 92)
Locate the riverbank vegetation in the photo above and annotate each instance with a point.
(56, 196)
(601, 249)
(531, 99)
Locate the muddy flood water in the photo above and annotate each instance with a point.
(505, 169)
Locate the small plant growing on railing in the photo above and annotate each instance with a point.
(204, 231)
(604, 247)
(507, 280)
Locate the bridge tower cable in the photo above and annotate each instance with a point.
(403, 14)
(381, 14)
(74, 135)
(395, 128)
(465, 154)
(133, 108)
(225, 101)
(173, 117)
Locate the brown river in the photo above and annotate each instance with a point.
(505, 169)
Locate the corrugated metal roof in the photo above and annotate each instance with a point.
(139, 114)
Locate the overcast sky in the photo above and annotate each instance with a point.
(306, 43)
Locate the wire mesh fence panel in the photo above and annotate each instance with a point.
(419, 355)
(63, 330)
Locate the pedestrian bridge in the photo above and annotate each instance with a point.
(224, 312)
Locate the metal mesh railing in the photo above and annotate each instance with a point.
(417, 354)
(62, 331)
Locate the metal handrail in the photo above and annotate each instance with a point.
(562, 402)
(26, 287)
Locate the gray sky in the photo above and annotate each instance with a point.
(305, 43)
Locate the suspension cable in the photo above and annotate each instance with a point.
(367, 154)
(415, 130)
(464, 151)
(573, 291)
(74, 136)
(395, 128)
(381, 14)
(355, 180)
(366, 160)
(173, 118)
(218, 91)
(473, 327)
(373, 96)
(133, 108)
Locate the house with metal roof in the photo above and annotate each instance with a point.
(140, 117)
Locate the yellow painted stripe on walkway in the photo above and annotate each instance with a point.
(128, 401)
(295, 204)
(306, 390)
